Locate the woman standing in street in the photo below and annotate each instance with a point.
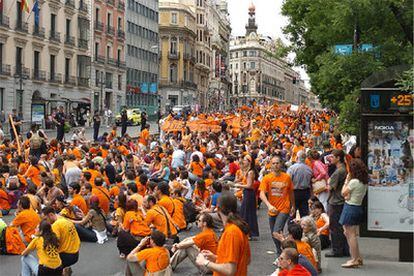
(248, 209)
(354, 191)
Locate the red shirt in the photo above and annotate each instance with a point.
(297, 270)
(233, 168)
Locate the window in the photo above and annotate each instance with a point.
(67, 69)
(19, 60)
(19, 14)
(119, 23)
(67, 28)
(244, 65)
(119, 82)
(252, 53)
(19, 100)
(108, 51)
(185, 20)
(53, 23)
(173, 73)
(108, 21)
(108, 80)
(1, 54)
(174, 18)
(52, 66)
(97, 79)
(173, 45)
(97, 14)
(36, 63)
(245, 53)
(2, 98)
(237, 65)
(119, 56)
(237, 54)
(252, 65)
(96, 50)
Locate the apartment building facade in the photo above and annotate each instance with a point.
(108, 70)
(45, 59)
(142, 60)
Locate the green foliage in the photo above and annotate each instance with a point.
(406, 80)
(349, 117)
(316, 26)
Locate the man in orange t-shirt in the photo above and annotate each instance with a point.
(233, 251)
(192, 246)
(77, 200)
(103, 195)
(279, 200)
(158, 216)
(144, 136)
(143, 260)
(27, 219)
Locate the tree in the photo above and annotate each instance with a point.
(316, 26)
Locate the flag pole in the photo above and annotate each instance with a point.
(29, 15)
(8, 12)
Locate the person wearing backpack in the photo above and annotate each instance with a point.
(36, 142)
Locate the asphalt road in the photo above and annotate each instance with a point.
(380, 258)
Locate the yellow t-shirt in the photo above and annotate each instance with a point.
(68, 237)
(48, 257)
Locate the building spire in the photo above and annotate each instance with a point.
(251, 26)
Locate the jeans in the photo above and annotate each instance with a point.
(276, 224)
(29, 265)
(339, 242)
(5, 212)
(86, 234)
(301, 201)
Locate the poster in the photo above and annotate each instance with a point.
(38, 113)
(390, 166)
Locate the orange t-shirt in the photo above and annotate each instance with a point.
(178, 217)
(197, 168)
(320, 222)
(233, 247)
(156, 217)
(201, 198)
(207, 240)
(278, 189)
(27, 220)
(143, 139)
(4, 200)
(34, 174)
(80, 202)
(134, 223)
(156, 258)
(295, 151)
(103, 195)
(94, 174)
(306, 250)
(115, 190)
(167, 203)
(208, 182)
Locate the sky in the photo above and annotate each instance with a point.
(269, 20)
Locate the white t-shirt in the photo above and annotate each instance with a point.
(200, 155)
(178, 158)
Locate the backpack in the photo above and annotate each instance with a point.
(190, 211)
(35, 141)
(11, 242)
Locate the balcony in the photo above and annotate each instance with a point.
(110, 2)
(100, 59)
(54, 36)
(83, 82)
(187, 56)
(22, 27)
(71, 81)
(39, 32)
(99, 26)
(121, 6)
(4, 22)
(110, 30)
(121, 34)
(38, 75)
(22, 72)
(70, 4)
(189, 84)
(111, 61)
(83, 43)
(5, 70)
(83, 7)
(173, 55)
(108, 84)
(70, 40)
(193, 59)
(121, 64)
(55, 78)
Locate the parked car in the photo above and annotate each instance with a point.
(134, 117)
(183, 109)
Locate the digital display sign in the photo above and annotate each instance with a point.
(377, 100)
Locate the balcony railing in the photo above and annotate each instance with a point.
(70, 80)
(111, 61)
(110, 30)
(83, 82)
(22, 27)
(54, 36)
(70, 40)
(55, 78)
(99, 26)
(121, 64)
(100, 59)
(189, 84)
(173, 55)
(110, 2)
(121, 34)
(21, 72)
(39, 75)
(121, 5)
(82, 43)
(70, 4)
(108, 84)
(187, 56)
(39, 32)
(5, 70)
(83, 7)
(4, 21)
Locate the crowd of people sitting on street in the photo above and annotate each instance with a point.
(148, 192)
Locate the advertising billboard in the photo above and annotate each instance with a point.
(390, 164)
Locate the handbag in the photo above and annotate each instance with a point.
(170, 239)
(319, 186)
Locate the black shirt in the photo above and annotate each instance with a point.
(60, 117)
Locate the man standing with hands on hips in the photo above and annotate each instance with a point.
(59, 120)
(280, 199)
